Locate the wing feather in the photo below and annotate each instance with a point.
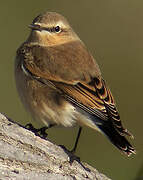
(96, 96)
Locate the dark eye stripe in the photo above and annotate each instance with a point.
(53, 29)
(56, 29)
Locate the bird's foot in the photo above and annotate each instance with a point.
(41, 132)
(70, 154)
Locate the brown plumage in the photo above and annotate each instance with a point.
(60, 82)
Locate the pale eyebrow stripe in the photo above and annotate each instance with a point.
(59, 23)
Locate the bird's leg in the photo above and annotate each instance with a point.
(39, 132)
(71, 155)
(77, 140)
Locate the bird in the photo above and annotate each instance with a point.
(60, 82)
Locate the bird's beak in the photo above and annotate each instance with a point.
(35, 27)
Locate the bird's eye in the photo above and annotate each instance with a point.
(57, 29)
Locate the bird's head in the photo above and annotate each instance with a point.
(51, 29)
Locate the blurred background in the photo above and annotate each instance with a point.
(113, 32)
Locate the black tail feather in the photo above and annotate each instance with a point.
(117, 139)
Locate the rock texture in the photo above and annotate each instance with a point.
(25, 156)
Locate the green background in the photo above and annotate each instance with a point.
(113, 31)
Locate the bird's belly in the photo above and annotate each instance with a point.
(65, 116)
(68, 116)
(44, 103)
